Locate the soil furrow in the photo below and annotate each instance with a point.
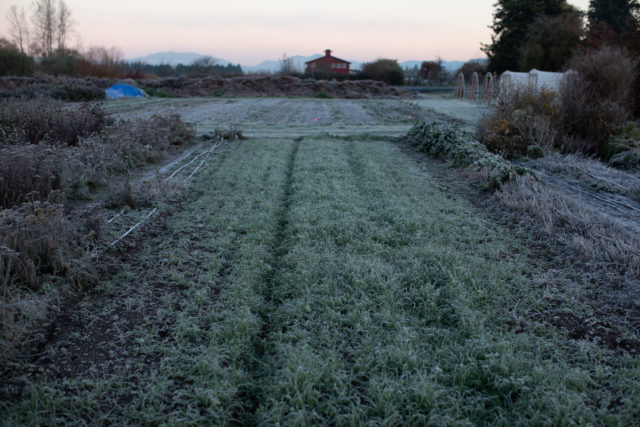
(251, 395)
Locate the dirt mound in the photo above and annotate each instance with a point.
(210, 86)
(14, 82)
(271, 86)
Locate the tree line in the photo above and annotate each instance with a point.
(544, 34)
(51, 24)
(43, 35)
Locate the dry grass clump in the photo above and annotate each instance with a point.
(27, 172)
(36, 233)
(595, 173)
(596, 99)
(126, 194)
(146, 141)
(598, 238)
(40, 252)
(46, 121)
(31, 171)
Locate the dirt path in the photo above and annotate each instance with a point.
(464, 113)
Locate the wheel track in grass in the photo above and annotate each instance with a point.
(251, 395)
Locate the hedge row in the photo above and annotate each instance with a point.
(443, 140)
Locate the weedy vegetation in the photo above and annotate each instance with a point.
(588, 114)
(316, 279)
(53, 158)
(598, 238)
(325, 280)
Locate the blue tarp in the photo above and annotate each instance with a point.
(124, 90)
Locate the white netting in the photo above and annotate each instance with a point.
(545, 80)
(511, 80)
(540, 80)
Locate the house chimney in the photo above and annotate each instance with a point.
(327, 52)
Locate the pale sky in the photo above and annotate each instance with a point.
(250, 31)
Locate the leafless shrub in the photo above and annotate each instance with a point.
(40, 120)
(596, 237)
(28, 172)
(43, 251)
(596, 99)
(148, 141)
(126, 194)
(39, 249)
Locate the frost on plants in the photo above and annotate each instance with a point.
(443, 140)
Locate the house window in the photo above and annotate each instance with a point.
(333, 65)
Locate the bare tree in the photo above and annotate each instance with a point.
(44, 22)
(63, 22)
(204, 62)
(19, 29)
(286, 65)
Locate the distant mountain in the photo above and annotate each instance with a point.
(174, 58)
(270, 66)
(448, 65)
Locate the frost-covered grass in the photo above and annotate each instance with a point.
(322, 281)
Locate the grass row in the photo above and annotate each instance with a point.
(326, 281)
(394, 306)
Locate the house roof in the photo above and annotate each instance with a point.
(327, 56)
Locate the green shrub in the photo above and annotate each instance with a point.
(443, 140)
(385, 70)
(323, 95)
(15, 63)
(535, 152)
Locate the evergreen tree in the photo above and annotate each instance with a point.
(612, 21)
(511, 22)
(552, 41)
